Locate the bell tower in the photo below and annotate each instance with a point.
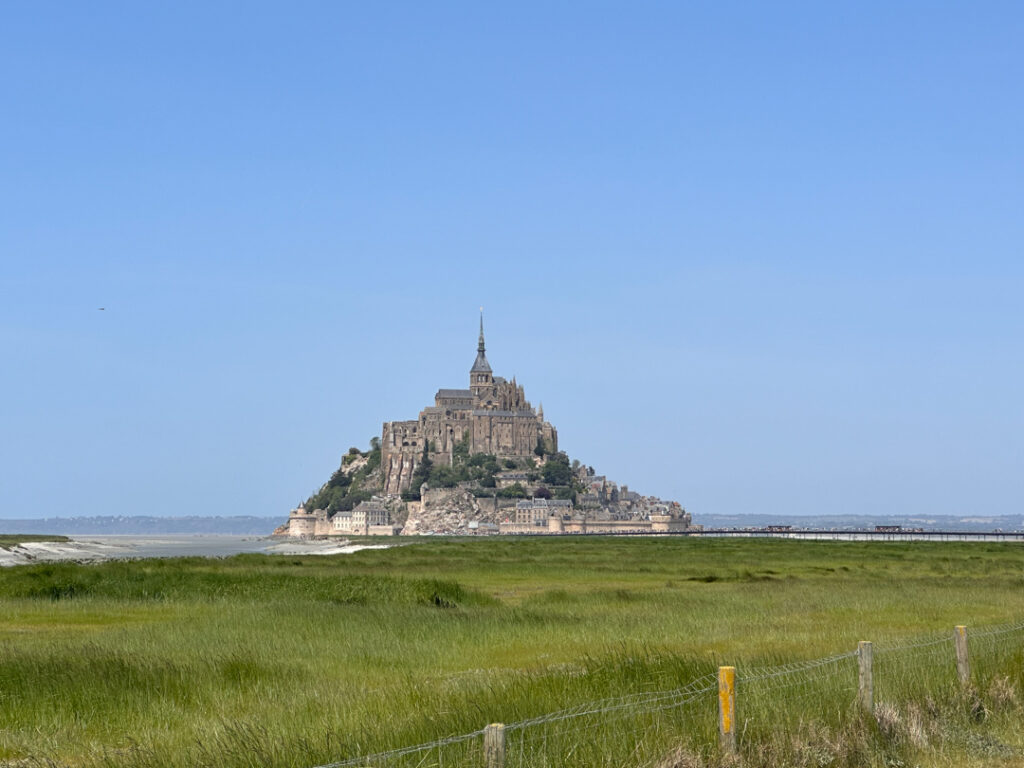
(480, 375)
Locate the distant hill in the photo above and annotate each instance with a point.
(241, 525)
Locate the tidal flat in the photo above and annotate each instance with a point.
(36, 548)
(300, 661)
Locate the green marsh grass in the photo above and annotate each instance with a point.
(302, 661)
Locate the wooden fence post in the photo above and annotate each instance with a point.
(865, 680)
(727, 709)
(963, 663)
(494, 746)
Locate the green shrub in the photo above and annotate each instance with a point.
(514, 491)
(556, 470)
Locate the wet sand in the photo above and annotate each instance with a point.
(99, 548)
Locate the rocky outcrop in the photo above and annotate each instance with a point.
(455, 511)
(482, 499)
(397, 469)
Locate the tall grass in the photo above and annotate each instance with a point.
(284, 661)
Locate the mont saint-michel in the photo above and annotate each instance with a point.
(479, 460)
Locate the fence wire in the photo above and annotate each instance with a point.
(553, 738)
(403, 751)
(666, 699)
(793, 668)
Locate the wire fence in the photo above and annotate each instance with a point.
(639, 726)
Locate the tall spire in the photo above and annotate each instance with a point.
(481, 365)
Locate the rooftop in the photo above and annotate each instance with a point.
(455, 394)
(542, 503)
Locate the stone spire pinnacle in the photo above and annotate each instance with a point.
(481, 365)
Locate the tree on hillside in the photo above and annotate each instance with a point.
(444, 477)
(460, 452)
(514, 491)
(339, 479)
(565, 493)
(556, 470)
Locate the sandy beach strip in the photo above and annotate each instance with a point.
(98, 549)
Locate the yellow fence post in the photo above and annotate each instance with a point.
(865, 679)
(963, 663)
(727, 709)
(494, 745)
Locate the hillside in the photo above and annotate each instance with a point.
(475, 492)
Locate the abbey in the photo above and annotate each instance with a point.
(492, 467)
(492, 414)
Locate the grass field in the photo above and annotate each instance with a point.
(300, 661)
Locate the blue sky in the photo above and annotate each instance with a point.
(754, 258)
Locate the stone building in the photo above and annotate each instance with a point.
(369, 518)
(492, 414)
(537, 511)
(548, 516)
(537, 516)
(304, 523)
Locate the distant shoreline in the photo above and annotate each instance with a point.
(145, 525)
(242, 525)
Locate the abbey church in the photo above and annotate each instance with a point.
(528, 487)
(492, 414)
